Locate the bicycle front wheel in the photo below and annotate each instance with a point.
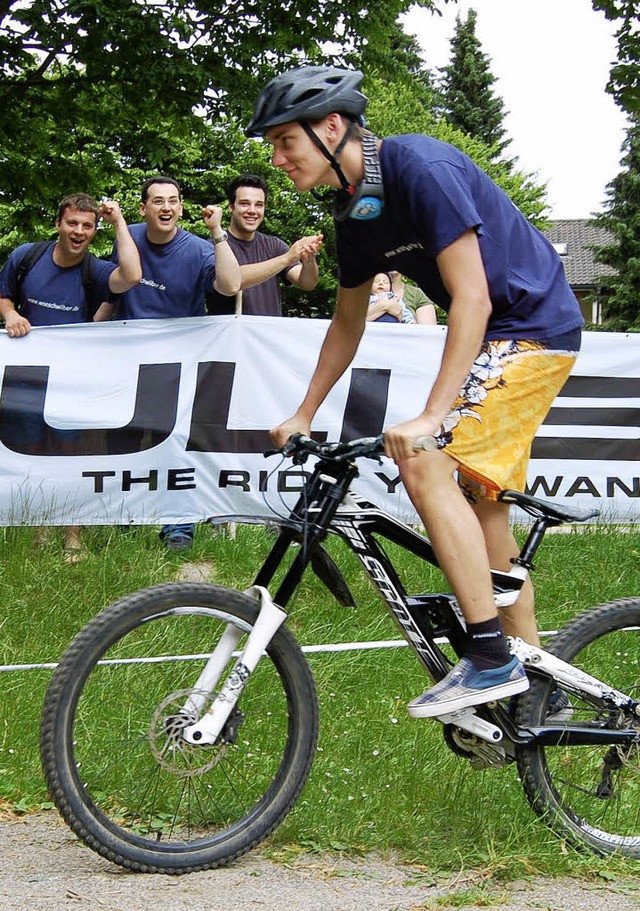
(590, 794)
(121, 775)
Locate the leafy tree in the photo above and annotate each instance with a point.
(402, 62)
(91, 88)
(467, 95)
(622, 219)
(624, 81)
(399, 108)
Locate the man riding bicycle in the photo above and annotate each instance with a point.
(421, 207)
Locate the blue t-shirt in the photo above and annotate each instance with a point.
(433, 193)
(175, 277)
(52, 295)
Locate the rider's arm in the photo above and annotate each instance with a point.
(462, 272)
(338, 350)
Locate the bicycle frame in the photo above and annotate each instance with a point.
(325, 506)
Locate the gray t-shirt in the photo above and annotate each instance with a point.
(263, 299)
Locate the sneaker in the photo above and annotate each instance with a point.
(465, 685)
(177, 537)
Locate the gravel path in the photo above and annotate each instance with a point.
(43, 866)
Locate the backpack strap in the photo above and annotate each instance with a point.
(32, 256)
(88, 282)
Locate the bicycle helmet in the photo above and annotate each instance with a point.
(308, 93)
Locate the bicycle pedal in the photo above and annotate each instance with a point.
(468, 720)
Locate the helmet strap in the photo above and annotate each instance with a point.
(367, 199)
(364, 201)
(331, 158)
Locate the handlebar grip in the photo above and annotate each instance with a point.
(426, 443)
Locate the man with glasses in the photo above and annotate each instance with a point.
(179, 269)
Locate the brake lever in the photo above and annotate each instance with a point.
(287, 448)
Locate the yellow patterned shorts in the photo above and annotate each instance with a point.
(490, 429)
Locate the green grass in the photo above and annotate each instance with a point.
(381, 781)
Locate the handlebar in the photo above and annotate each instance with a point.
(299, 447)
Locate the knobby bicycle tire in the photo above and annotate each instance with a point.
(590, 794)
(134, 794)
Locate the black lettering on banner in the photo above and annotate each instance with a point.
(390, 483)
(583, 485)
(209, 431)
(285, 477)
(177, 479)
(181, 479)
(151, 480)
(235, 479)
(23, 428)
(612, 483)
(589, 448)
(570, 487)
(366, 406)
(364, 413)
(98, 479)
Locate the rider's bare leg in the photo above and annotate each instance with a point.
(486, 672)
(454, 531)
(520, 618)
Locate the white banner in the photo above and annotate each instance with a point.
(159, 421)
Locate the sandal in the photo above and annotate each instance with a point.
(74, 555)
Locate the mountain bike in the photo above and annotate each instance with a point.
(180, 725)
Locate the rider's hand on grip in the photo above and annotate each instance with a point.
(426, 443)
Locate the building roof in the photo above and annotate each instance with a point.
(574, 238)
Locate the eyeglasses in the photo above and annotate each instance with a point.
(161, 201)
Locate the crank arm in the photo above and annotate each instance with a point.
(270, 618)
(469, 721)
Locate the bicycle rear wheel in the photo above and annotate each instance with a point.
(590, 794)
(132, 789)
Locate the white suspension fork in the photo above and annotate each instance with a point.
(208, 679)
(269, 620)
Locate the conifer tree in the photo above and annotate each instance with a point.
(622, 214)
(622, 220)
(468, 100)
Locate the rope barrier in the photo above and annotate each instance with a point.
(307, 649)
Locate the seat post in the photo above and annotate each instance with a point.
(534, 540)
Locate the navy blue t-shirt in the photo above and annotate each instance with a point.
(176, 276)
(52, 295)
(433, 193)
